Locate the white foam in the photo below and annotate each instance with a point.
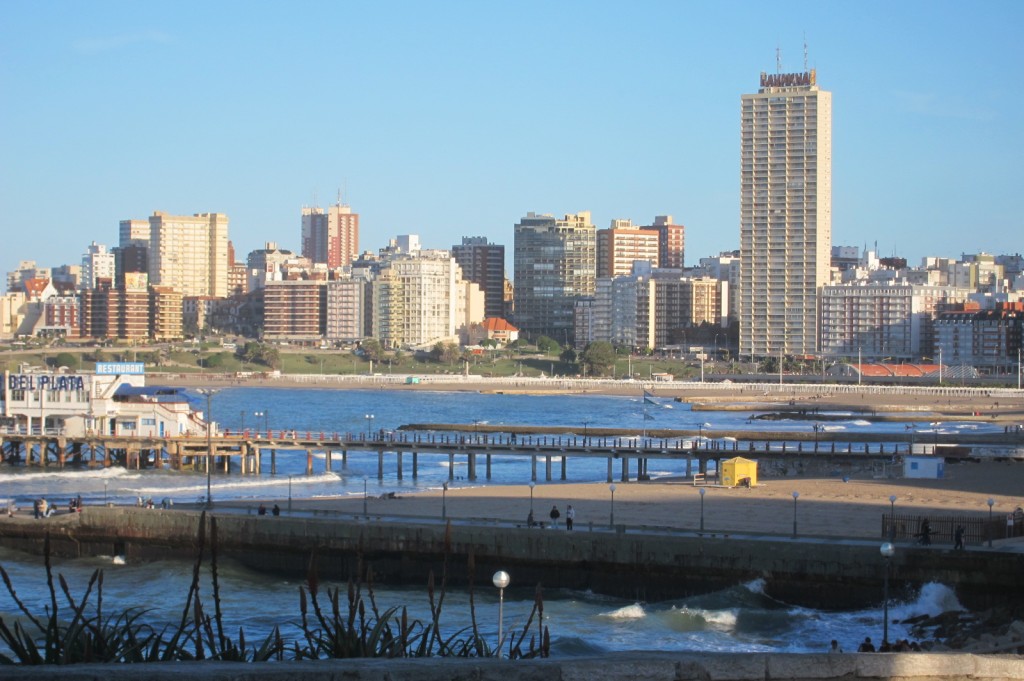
(629, 612)
(861, 422)
(755, 586)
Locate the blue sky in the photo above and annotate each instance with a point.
(451, 119)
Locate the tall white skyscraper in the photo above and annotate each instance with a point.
(189, 253)
(785, 214)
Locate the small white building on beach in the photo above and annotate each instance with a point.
(924, 467)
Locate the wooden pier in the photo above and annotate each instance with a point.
(247, 452)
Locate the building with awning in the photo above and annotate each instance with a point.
(739, 471)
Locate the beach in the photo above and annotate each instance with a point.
(825, 507)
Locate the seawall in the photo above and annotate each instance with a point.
(618, 667)
(816, 572)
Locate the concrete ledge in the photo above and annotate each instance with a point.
(633, 666)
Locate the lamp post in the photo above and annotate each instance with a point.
(702, 492)
(444, 500)
(105, 483)
(611, 515)
(887, 550)
(585, 424)
(500, 580)
(242, 426)
(209, 393)
(892, 516)
(369, 424)
(532, 485)
(365, 480)
(991, 502)
(796, 495)
(266, 421)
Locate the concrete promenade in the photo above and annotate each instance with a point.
(616, 560)
(646, 666)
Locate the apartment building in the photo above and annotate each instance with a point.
(785, 213)
(189, 253)
(295, 309)
(330, 236)
(484, 264)
(671, 242)
(555, 263)
(622, 244)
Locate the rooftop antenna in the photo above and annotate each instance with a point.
(806, 70)
(778, 59)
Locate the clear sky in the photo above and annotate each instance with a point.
(451, 119)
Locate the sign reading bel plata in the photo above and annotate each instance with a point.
(44, 382)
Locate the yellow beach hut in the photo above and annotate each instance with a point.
(739, 471)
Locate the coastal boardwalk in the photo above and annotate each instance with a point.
(247, 452)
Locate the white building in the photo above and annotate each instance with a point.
(785, 213)
(189, 253)
(97, 263)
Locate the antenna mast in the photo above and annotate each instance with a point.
(778, 59)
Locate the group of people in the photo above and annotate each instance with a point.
(262, 510)
(555, 514)
(866, 646)
(41, 508)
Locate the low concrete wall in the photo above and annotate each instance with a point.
(816, 573)
(617, 667)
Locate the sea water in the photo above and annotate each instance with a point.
(741, 618)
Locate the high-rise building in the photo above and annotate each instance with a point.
(330, 236)
(671, 242)
(484, 264)
(623, 244)
(97, 263)
(555, 263)
(785, 213)
(189, 253)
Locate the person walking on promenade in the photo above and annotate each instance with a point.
(835, 647)
(926, 533)
(570, 515)
(958, 538)
(276, 510)
(554, 515)
(867, 646)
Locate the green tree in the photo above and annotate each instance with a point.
(65, 359)
(549, 346)
(445, 353)
(599, 358)
(568, 356)
(371, 349)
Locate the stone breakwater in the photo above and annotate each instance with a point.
(815, 572)
(619, 667)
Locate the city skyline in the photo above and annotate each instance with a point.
(455, 120)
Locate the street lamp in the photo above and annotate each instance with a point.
(500, 580)
(209, 393)
(266, 421)
(365, 480)
(242, 426)
(444, 500)
(796, 495)
(702, 492)
(887, 550)
(532, 485)
(585, 424)
(991, 502)
(369, 425)
(892, 516)
(611, 516)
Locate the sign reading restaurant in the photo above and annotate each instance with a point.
(788, 79)
(120, 368)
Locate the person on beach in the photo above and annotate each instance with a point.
(554, 515)
(277, 510)
(570, 515)
(867, 646)
(835, 647)
(262, 510)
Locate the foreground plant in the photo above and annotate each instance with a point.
(75, 634)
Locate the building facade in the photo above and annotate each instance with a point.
(189, 253)
(484, 264)
(785, 213)
(555, 263)
(671, 242)
(97, 263)
(330, 236)
(622, 244)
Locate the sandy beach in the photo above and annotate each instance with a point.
(825, 507)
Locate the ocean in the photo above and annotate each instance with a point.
(741, 618)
